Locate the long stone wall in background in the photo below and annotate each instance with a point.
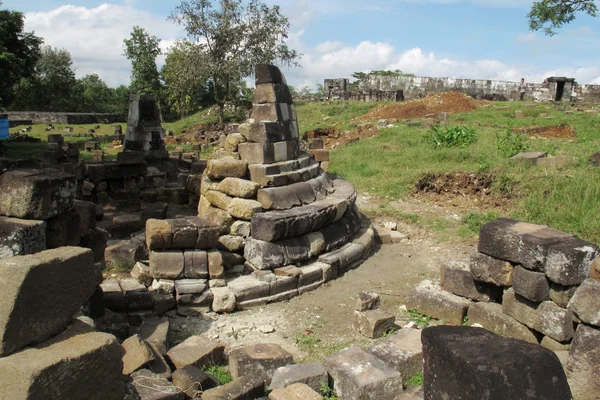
(37, 117)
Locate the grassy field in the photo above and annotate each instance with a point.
(389, 165)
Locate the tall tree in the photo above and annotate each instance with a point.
(57, 84)
(235, 35)
(550, 15)
(95, 93)
(186, 80)
(19, 52)
(142, 49)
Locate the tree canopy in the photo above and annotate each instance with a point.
(550, 15)
(142, 49)
(19, 53)
(232, 37)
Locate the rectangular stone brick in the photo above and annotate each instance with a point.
(491, 317)
(491, 270)
(21, 236)
(568, 262)
(167, 264)
(532, 285)
(456, 277)
(582, 366)
(586, 302)
(429, 299)
(403, 351)
(545, 317)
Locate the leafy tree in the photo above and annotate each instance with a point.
(142, 49)
(56, 80)
(234, 36)
(95, 93)
(19, 52)
(550, 15)
(186, 81)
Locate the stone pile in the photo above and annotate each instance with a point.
(528, 282)
(369, 319)
(44, 351)
(38, 211)
(56, 153)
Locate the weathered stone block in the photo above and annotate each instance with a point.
(266, 73)
(123, 254)
(430, 299)
(76, 364)
(551, 344)
(216, 268)
(456, 277)
(36, 194)
(568, 262)
(137, 354)
(545, 317)
(196, 264)
(263, 254)
(263, 132)
(114, 298)
(87, 216)
(167, 264)
(560, 294)
(358, 374)
(236, 187)
(244, 209)
(257, 153)
(241, 228)
(41, 293)
(367, 301)
(373, 323)
(224, 300)
(403, 351)
(297, 391)
(248, 288)
(582, 366)
(272, 93)
(192, 381)
(226, 168)
(197, 351)
(218, 199)
(155, 332)
(214, 216)
(532, 285)
(519, 242)
(468, 363)
(312, 375)
(137, 296)
(246, 387)
(586, 302)
(491, 270)
(142, 273)
(491, 317)
(20, 237)
(185, 233)
(151, 386)
(159, 234)
(231, 243)
(257, 360)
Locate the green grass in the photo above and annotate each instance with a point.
(416, 380)
(220, 372)
(389, 165)
(421, 320)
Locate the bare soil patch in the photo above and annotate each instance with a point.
(450, 102)
(333, 138)
(461, 190)
(553, 132)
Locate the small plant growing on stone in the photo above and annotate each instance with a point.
(421, 320)
(416, 380)
(457, 136)
(327, 392)
(220, 372)
(389, 333)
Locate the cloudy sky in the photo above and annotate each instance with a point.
(484, 39)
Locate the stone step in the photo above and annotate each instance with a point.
(296, 194)
(291, 177)
(268, 255)
(277, 225)
(258, 172)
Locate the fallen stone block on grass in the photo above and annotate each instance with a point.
(313, 375)
(429, 299)
(373, 323)
(198, 351)
(258, 360)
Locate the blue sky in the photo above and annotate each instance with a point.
(485, 39)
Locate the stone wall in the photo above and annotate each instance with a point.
(587, 93)
(37, 117)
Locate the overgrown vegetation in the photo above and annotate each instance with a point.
(510, 144)
(421, 320)
(455, 136)
(327, 392)
(416, 380)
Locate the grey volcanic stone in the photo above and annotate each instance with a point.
(311, 374)
(473, 364)
(582, 366)
(586, 302)
(36, 194)
(76, 364)
(21, 236)
(41, 293)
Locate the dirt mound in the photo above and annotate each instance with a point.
(333, 138)
(557, 131)
(450, 102)
(460, 189)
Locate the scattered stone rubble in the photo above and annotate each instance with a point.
(527, 282)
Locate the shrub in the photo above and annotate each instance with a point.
(458, 136)
(510, 144)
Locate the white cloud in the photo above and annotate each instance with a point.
(94, 36)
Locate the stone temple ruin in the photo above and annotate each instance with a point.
(268, 223)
